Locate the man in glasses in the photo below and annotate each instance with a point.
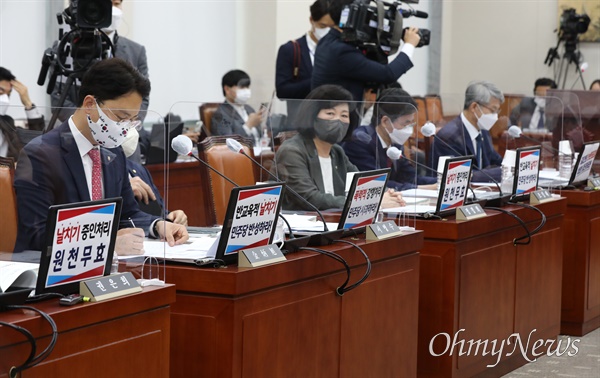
(469, 133)
(393, 122)
(81, 160)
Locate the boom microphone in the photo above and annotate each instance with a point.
(237, 147)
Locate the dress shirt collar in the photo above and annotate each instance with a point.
(472, 130)
(312, 47)
(83, 144)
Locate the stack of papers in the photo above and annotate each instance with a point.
(306, 223)
(197, 247)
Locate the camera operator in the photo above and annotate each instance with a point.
(338, 62)
(125, 49)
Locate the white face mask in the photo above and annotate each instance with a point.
(400, 136)
(242, 95)
(320, 32)
(131, 142)
(108, 133)
(486, 121)
(4, 103)
(540, 101)
(117, 16)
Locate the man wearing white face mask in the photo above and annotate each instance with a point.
(295, 59)
(125, 49)
(10, 145)
(391, 126)
(81, 160)
(531, 112)
(235, 116)
(468, 134)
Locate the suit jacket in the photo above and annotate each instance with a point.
(298, 165)
(521, 114)
(11, 135)
(288, 86)
(50, 172)
(227, 121)
(372, 155)
(137, 170)
(125, 49)
(338, 62)
(458, 143)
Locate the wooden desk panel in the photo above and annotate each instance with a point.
(127, 336)
(474, 282)
(286, 320)
(581, 263)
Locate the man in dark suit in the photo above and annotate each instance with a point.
(530, 113)
(10, 144)
(392, 125)
(82, 159)
(235, 116)
(338, 62)
(468, 134)
(293, 70)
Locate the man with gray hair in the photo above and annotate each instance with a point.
(468, 134)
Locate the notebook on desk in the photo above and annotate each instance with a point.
(452, 191)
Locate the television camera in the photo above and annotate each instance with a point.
(81, 44)
(378, 29)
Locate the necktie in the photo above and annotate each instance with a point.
(540, 124)
(479, 141)
(96, 174)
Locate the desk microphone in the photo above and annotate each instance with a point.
(183, 146)
(237, 147)
(428, 129)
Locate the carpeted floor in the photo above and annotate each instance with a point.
(586, 363)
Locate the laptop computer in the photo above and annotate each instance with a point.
(527, 168)
(80, 240)
(453, 191)
(250, 220)
(580, 171)
(163, 133)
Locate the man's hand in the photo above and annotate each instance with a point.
(130, 241)
(255, 119)
(173, 234)
(391, 198)
(23, 93)
(141, 190)
(411, 35)
(179, 217)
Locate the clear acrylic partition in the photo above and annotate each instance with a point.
(46, 168)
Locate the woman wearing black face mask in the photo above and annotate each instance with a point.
(312, 163)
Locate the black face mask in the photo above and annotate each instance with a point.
(331, 131)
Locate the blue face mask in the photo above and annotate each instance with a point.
(331, 131)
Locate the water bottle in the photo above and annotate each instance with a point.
(508, 171)
(114, 267)
(565, 159)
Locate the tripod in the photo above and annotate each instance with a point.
(571, 55)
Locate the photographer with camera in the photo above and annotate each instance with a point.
(346, 64)
(123, 48)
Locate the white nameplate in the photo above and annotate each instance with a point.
(382, 230)
(107, 287)
(469, 212)
(259, 256)
(540, 196)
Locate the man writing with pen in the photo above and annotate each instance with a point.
(81, 161)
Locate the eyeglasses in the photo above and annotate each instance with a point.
(126, 123)
(490, 109)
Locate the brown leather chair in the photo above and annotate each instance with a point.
(233, 165)
(206, 112)
(282, 136)
(8, 205)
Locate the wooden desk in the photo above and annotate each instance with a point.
(472, 278)
(122, 337)
(286, 320)
(581, 263)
